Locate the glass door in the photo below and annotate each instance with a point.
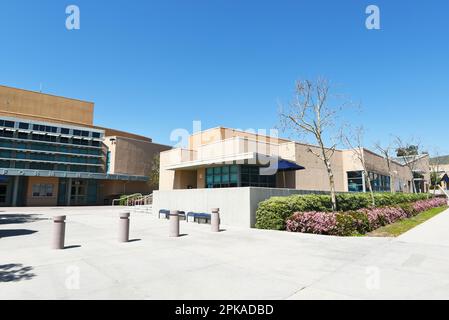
(78, 193)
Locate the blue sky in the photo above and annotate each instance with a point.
(154, 66)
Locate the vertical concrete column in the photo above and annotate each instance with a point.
(123, 235)
(15, 192)
(58, 232)
(215, 220)
(69, 191)
(173, 230)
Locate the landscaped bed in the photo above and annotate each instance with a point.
(312, 214)
(402, 226)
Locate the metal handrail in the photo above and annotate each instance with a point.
(127, 198)
(144, 200)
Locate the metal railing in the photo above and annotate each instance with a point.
(128, 200)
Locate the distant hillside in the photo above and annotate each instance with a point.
(440, 160)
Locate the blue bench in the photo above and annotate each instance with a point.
(166, 214)
(199, 217)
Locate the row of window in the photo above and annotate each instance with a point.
(49, 147)
(42, 190)
(48, 138)
(47, 157)
(379, 183)
(238, 176)
(49, 129)
(49, 166)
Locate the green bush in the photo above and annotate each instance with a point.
(361, 221)
(272, 213)
(408, 209)
(346, 225)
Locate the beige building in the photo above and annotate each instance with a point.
(52, 153)
(226, 158)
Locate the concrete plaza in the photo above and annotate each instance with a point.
(234, 264)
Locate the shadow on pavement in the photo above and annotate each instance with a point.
(19, 218)
(15, 233)
(15, 272)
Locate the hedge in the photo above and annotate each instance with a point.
(272, 213)
(358, 222)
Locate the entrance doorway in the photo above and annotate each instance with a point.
(78, 195)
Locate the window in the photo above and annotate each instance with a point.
(234, 176)
(95, 135)
(65, 131)
(9, 124)
(24, 126)
(42, 190)
(7, 134)
(23, 135)
(77, 132)
(85, 133)
(380, 183)
(355, 181)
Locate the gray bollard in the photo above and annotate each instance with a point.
(58, 232)
(215, 220)
(123, 235)
(174, 224)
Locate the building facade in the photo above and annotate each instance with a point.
(51, 153)
(226, 158)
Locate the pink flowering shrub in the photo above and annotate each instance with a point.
(312, 222)
(357, 222)
(425, 205)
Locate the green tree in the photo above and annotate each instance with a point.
(154, 172)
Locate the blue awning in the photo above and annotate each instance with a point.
(285, 165)
(445, 178)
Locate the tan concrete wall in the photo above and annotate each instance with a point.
(114, 189)
(220, 133)
(201, 178)
(205, 137)
(315, 177)
(133, 157)
(34, 105)
(41, 201)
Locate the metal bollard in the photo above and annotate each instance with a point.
(174, 224)
(123, 235)
(58, 232)
(215, 220)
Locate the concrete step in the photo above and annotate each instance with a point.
(147, 209)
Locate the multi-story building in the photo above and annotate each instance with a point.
(51, 153)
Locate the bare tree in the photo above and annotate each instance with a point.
(355, 143)
(435, 171)
(311, 114)
(409, 153)
(386, 153)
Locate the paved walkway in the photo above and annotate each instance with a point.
(234, 264)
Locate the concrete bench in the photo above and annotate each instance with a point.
(166, 214)
(199, 217)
